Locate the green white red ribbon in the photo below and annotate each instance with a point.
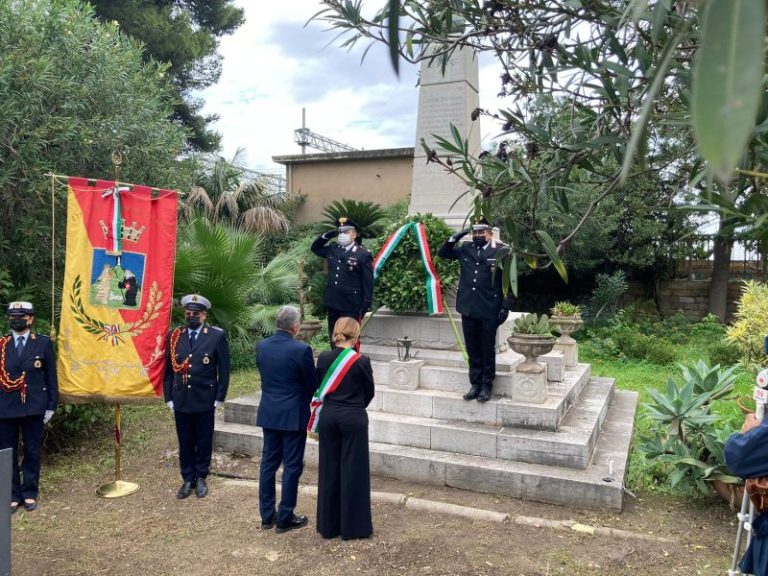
(434, 291)
(116, 220)
(331, 381)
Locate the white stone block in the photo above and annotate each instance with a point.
(555, 362)
(530, 383)
(401, 402)
(404, 374)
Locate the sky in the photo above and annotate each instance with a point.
(273, 66)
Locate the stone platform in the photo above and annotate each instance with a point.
(570, 449)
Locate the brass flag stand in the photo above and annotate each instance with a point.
(118, 487)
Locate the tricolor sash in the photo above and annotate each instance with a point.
(432, 285)
(331, 381)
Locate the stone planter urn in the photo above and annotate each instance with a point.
(308, 330)
(529, 383)
(567, 325)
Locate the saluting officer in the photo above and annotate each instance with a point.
(195, 384)
(480, 301)
(349, 291)
(29, 392)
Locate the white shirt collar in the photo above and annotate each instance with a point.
(24, 334)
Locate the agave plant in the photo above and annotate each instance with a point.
(228, 265)
(369, 216)
(688, 438)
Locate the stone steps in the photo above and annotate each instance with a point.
(438, 424)
(501, 410)
(505, 361)
(544, 483)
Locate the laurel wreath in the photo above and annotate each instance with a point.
(114, 333)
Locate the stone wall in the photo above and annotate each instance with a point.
(688, 296)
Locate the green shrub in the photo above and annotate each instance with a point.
(724, 353)
(400, 286)
(72, 422)
(751, 325)
(241, 352)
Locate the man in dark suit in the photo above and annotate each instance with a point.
(480, 301)
(287, 383)
(28, 395)
(349, 290)
(195, 384)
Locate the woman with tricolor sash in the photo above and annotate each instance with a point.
(345, 388)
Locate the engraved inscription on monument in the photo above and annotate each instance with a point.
(444, 99)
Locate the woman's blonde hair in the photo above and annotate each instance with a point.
(345, 329)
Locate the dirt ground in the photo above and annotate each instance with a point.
(74, 532)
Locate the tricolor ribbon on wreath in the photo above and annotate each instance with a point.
(434, 291)
(331, 381)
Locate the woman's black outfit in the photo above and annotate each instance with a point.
(344, 485)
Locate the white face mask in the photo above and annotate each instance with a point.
(345, 239)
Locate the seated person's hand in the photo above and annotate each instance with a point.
(750, 422)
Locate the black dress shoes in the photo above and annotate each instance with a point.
(485, 394)
(184, 491)
(292, 524)
(201, 488)
(473, 393)
(14, 509)
(29, 506)
(269, 524)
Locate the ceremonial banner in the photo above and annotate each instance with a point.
(118, 282)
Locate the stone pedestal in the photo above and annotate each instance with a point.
(570, 351)
(529, 383)
(404, 374)
(555, 362)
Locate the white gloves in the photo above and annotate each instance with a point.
(216, 404)
(47, 416)
(169, 404)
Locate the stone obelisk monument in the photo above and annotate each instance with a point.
(445, 98)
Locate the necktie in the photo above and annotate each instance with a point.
(192, 338)
(19, 344)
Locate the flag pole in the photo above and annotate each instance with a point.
(119, 487)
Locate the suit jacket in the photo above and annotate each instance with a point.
(37, 361)
(208, 375)
(480, 294)
(287, 372)
(350, 277)
(355, 389)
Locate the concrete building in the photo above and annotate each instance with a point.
(381, 176)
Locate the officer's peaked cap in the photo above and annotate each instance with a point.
(481, 224)
(345, 224)
(195, 302)
(21, 309)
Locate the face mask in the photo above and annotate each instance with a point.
(345, 239)
(479, 241)
(193, 322)
(18, 324)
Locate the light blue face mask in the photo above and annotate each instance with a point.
(345, 239)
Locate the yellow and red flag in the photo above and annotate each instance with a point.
(118, 282)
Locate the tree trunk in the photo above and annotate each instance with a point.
(721, 272)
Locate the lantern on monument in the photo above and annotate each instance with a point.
(404, 348)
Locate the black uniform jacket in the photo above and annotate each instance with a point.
(356, 388)
(208, 375)
(480, 294)
(42, 385)
(350, 277)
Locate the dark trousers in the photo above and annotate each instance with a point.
(480, 339)
(334, 315)
(286, 447)
(195, 432)
(26, 479)
(344, 480)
